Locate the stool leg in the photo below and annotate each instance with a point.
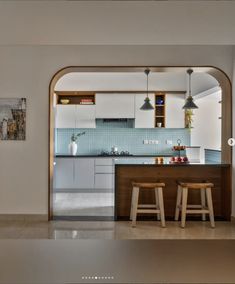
(210, 206)
(203, 202)
(178, 202)
(184, 206)
(157, 204)
(132, 195)
(161, 206)
(135, 205)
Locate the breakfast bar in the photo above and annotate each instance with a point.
(153, 170)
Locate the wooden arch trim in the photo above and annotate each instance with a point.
(217, 73)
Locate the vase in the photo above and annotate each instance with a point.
(73, 147)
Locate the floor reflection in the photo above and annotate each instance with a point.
(110, 230)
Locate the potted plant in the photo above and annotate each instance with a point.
(73, 146)
(189, 119)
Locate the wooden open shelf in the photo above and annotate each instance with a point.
(160, 109)
(75, 97)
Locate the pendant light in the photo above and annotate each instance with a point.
(189, 104)
(147, 105)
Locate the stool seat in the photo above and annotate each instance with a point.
(195, 185)
(148, 184)
(182, 197)
(157, 207)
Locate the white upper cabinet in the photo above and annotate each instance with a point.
(175, 115)
(75, 116)
(65, 116)
(115, 105)
(143, 118)
(85, 116)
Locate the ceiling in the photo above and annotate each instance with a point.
(104, 81)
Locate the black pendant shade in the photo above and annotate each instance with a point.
(189, 104)
(147, 105)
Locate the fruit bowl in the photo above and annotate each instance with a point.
(64, 101)
(179, 148)
(179, 160)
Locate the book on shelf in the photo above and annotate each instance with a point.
(86, 103)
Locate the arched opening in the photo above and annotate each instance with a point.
(219, 75)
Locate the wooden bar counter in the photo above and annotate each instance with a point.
(128, 170)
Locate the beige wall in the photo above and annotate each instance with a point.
(233, 102)
(25, 71)
(38, 38)
(117, 22)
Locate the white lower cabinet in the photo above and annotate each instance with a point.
(104, 181)
(84, 170)
(104, 173)
(64, 173)
(84, 173)
(74, 173)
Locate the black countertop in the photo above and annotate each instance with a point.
(110, 156)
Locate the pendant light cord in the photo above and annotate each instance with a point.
(189, 71)
(147, 71)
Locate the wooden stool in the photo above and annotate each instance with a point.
(181, 202)
(147, 208)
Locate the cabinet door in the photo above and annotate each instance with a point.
(104, 161)
(104, 181)
(175, 115)
(64, 173)
(115, 106)
(65, 116)
(84, 173)
(104, 169)
(144, 119)
(85, 116)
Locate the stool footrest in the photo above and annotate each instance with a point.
(197, 211)
(192, 206)
(148, 211)
(147, 206)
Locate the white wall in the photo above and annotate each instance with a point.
(25, 71)
(206, 130)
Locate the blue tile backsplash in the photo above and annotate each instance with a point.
(124, 136)
(212, 156)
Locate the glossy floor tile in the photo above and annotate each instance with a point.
(114, 230)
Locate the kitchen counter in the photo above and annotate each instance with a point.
(147, 170)
(153, 162)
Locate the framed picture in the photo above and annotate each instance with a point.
(12, 119)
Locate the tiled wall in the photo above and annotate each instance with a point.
(212, 156)
(122, 135)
